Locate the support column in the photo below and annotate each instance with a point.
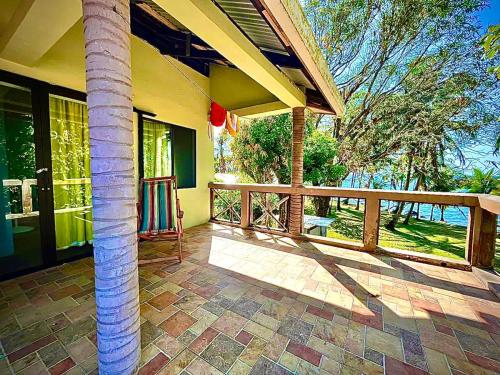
(109, 93)
(296, 201)
(372, 223)
(481, 237)
(245, 209)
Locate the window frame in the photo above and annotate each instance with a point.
(141, 116)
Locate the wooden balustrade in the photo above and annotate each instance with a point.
(481, 231)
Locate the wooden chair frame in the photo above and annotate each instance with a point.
(172, 235)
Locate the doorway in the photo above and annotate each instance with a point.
(45, 196)
(20, 221)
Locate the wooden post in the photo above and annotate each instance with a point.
(469, 241)
(212, 199)
(372, 223)
(245, 208)
(481, 237)
(296, 201)
(486, 257)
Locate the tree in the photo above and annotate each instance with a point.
(491, 45)
(262, 149)
(320, 165)
(222, 160)
(483, 182)
(109, 98)
(388, 51)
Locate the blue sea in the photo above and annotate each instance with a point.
(452, 214)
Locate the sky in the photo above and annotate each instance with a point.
(490, 15)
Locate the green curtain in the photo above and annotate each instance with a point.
(71, 172)
(156, 149)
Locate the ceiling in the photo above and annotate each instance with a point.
(151, 23)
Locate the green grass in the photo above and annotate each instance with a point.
(422, 236)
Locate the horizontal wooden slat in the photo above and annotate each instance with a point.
(456, 199)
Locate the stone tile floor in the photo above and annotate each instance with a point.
(252, 303)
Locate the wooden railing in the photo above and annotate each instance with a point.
(481, 229)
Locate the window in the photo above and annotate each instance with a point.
(167, 150)
(157, 149)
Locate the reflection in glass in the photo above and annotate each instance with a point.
(157, 149)
(20, 246)
(69, 134)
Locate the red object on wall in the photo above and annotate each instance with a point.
(217, 114)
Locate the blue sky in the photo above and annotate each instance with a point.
(490, 15)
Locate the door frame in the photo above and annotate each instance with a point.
(40, 92)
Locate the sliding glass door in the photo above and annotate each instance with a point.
(20, 229)
(45, 190)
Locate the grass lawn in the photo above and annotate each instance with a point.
(419, 235)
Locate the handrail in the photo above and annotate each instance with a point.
(481, 229)
(490, 203)
(458, 199)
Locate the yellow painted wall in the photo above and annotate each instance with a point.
(158, 87)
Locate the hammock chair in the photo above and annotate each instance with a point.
(159, 214)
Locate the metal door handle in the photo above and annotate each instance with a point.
(38, 171)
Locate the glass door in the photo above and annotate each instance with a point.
(70, 165)
(20, 229)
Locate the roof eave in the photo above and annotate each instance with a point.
(289, 21)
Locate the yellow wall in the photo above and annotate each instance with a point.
(157, 87)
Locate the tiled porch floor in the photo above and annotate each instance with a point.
(247, 302)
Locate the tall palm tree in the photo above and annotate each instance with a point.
(109, 93)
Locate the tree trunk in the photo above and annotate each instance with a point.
(408, 215)
(432, 213)
(442, 213)
(109, 93)
(391, 225)
(418, 211)
(321, 205)
(339, 207)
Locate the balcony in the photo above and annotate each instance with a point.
(245, 301)
(267, 208)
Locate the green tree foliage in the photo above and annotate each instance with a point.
(262, 149)
(405, 65)
(491, 45)
(483, 182)
(321, 166)
(223, 162)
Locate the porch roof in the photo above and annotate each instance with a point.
(278, 29)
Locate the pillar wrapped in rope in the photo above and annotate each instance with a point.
(296, 201)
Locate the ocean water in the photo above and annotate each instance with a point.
(452, 215)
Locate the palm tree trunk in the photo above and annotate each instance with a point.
(410, 211)
(109, 93)
(391, 225)
(432, 213)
